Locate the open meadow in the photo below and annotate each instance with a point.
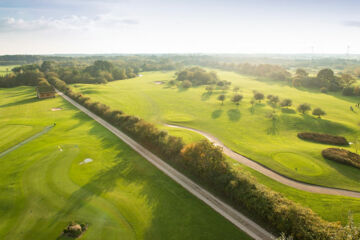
(249, 131)
(78, 171)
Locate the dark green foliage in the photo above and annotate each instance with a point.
(342, 156)
(237, 98)
(197, 76)
(221, 98)
(27, 77)
(303, 108)
(323, 138)
(258, 96)
(186, 84)
(286, 103)
(318, 112)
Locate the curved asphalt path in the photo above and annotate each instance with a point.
(270, 173)
(238, 219)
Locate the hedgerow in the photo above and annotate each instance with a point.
(207, 163)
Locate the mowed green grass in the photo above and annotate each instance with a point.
(249, 133)
(6, 69)
(119, 194)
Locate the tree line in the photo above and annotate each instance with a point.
(208, 164)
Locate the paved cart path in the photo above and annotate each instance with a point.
(270, 173)
(238, 219)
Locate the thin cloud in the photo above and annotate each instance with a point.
(352, 23)
(74, 22)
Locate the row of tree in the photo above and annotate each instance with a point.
(207, 162)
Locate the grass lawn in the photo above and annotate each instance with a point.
(6, 69)
(119, 194)
(250, 133)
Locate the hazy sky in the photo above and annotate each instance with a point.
(179, 26)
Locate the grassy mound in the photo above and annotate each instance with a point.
(323, 138)
(342, 156)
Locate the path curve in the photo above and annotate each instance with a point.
(270, 173)
(238, 219)
(26, 141)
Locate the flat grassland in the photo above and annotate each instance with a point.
(249, 131)
(119, 194)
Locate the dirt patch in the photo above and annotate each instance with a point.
(56, 109)
(159, 82)
(87, 160)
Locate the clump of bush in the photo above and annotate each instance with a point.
(74, 230)
(323, 138)
(342, 156)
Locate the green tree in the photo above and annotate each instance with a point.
(221, 98)
(347, 79)
(303, 108)
(236, 98)
(318, 112)
(258, 96)
(286, 102)
(236, 89)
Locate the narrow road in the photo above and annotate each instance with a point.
(238, 219)
(272, 174)
(26, 141)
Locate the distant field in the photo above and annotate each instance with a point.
(6, 69)
(119, 194)
(251, 134)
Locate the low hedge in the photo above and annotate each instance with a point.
(323, 138)
(207, 163)
(342, 156)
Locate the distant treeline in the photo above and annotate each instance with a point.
(325, 80)
(206, 162)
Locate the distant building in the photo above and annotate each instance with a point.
(45, 92)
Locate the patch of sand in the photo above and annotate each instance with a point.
(87, 160)
(56, 109)
(159, 82)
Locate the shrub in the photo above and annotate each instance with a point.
(323, 138)
(74, 230)
(348, 91)
(342, 156)
(323, 90)
(286, 103)
(186, 84)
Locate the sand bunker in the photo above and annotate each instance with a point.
(140, 75)
(56, 109)
(159, 82)
(87, 160)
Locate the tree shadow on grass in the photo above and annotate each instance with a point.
(307, 123)
(234, 115)
(21, 102)
(216, 114)
(288, 111)
(205, 96)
